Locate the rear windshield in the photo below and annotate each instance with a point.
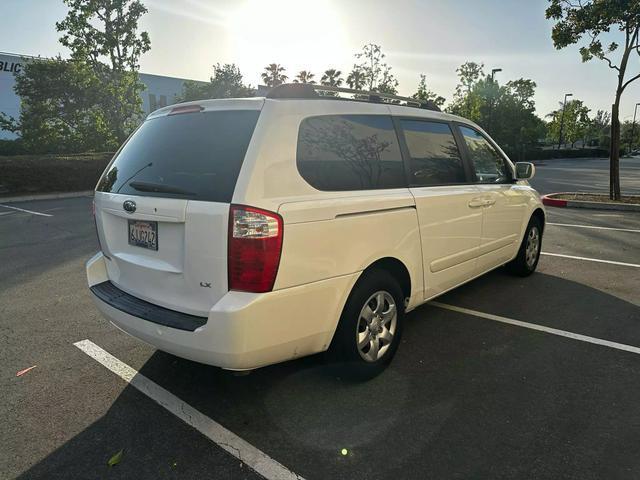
(193, 155)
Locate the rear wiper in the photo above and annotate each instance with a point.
(159, 188)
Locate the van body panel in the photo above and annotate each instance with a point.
(349, 238)
(450, 230)
(192, 249)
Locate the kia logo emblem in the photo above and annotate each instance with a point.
(129, 206)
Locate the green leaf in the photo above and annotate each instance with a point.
(116, 459)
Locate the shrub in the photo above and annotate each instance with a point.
(12, 147)
(34, 174)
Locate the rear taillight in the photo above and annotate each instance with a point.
(255, 243)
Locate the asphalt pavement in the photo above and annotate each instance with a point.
(504, 378)
(585, 175)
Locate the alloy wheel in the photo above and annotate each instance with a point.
(533, 247)
(376, 326)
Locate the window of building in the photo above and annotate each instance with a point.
(153, 104)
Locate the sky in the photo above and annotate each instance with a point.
(432, 37)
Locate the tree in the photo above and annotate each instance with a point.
(598, 132)
(376, 73)
(425, 94)
(304, 76)
(593, 19)
(331, 78)
(60, 108)
(388, 83)
(506, 112)
(469, 73)
(91, 101)
(104, 35)
(630, 135)
(575, 122)
(356, 79)
(274, 75)
(226, 82)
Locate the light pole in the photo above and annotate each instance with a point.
(564, 104)
(493, 73)
(633, 128)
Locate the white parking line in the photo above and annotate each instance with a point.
(594, 227)
(587, 259)
(27, 211)
(229, 441)
(540, 328)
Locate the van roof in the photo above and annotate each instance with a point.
(257, 103)
(253, 103)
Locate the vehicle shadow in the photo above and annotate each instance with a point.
(465, 397)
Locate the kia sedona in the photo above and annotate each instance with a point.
(246, 232)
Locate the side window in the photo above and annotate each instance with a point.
(350, 152)
(153, 104)
(434, 155)
(490, 166)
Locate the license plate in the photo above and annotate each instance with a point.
(143, 234)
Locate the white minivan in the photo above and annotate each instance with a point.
(244, 232)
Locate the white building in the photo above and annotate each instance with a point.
(159, 92)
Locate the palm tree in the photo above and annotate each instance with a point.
(331, 78)
(356, 79)
(304, 76)
(273, 75)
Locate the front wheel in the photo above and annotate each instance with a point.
(369, 330)
(526, 261)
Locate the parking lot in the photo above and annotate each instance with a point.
(585, 175)
(502, 378)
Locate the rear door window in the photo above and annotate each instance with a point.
(434, 157)
(350, 152)
(193, 155)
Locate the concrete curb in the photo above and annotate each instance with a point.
(550, 201)
(46, 196)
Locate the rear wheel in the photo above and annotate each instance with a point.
(526, 261)
(370, 326)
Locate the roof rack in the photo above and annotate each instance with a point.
(307, 90)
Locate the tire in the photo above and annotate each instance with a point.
(526, 261)
(378, 328)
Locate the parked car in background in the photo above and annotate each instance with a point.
(244, 232)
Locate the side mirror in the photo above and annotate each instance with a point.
(525, 170)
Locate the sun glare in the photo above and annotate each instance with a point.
(290, 32)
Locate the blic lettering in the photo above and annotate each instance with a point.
(10, 67)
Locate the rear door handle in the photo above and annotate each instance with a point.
(488, 202)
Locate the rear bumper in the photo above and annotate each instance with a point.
(113, 296)
(243, 330)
